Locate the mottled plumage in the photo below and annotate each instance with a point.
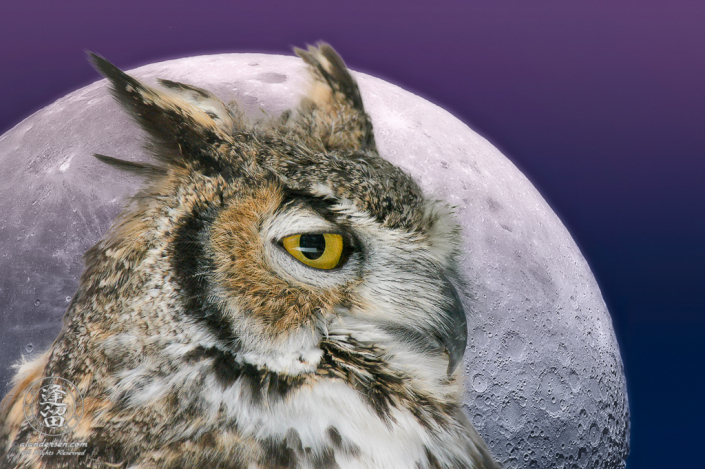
(199, 337)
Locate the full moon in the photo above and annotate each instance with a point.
(544, 380)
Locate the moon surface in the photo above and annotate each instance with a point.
(544, 383)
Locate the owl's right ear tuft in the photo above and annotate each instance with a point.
(336, 101)
(182, 132)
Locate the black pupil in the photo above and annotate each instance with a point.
(312, 245)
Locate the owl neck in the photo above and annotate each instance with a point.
(388, 377)
(345, 360)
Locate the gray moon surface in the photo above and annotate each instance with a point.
(545, 384)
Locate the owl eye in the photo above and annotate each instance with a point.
(320, 251)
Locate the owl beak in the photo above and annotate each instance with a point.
(455, 335)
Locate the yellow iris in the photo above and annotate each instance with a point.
(320, 251)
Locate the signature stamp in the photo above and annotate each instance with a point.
(53, 406)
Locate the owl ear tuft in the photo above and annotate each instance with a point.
(333, 107)
(187, 125)
(206, 101)
(141, 169)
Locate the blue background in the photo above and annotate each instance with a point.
(601, 104)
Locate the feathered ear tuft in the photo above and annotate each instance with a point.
(141, 169)
(207, 102)
(182, 133)
(334, 103)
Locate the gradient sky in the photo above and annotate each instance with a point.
(601, 105)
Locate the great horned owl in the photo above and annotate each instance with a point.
(277, 296)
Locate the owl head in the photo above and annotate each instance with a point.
(277, 295)
(278, 238)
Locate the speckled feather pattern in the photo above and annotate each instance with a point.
(197, 341)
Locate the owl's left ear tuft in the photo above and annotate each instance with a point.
(188, 126)
(206, 102)
(140, 169)
(339, 117)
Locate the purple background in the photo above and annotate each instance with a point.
(601, 105)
